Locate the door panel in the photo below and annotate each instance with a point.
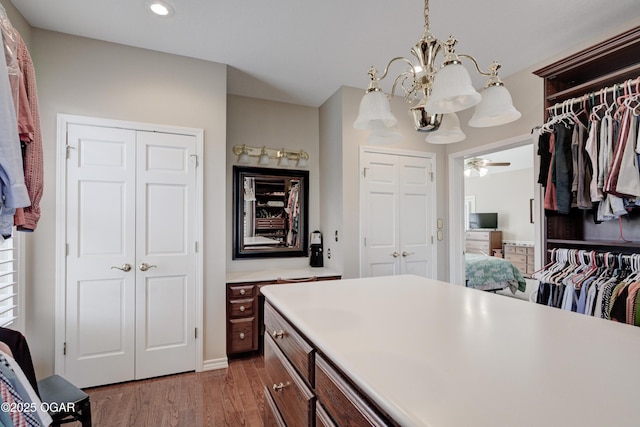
(100, 235)
(166, 233)
(166, 329)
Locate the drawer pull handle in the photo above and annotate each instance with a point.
(242, 308)
(241, 335)
(278, 387)
(277, 335)
(242, 292)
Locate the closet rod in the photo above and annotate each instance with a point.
(605, 91)
(626, 257)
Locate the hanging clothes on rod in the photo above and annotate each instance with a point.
(589, 150)
(13, 191)
(22, 129)
(593, 283)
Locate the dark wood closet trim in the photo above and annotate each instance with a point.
(611, 62)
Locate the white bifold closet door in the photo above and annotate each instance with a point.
(397, 213)
(130, 305)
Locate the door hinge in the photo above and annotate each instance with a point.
(365, 241)
(64, 349)
(431, 175)
(196, 246)
(66, 249)
(364, 172)
(195, 157)
(196, 333)
(432, 240)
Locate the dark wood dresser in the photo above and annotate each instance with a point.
(245, 318)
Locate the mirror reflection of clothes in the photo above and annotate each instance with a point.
(249, 207)
(293, 209)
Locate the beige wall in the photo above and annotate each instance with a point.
(92, 78)
(258, 123)
(331, 189)
(508, 194)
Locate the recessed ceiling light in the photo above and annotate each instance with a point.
(161, 8)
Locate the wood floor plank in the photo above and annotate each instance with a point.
(225, 397)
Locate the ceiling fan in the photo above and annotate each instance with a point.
(479, 166)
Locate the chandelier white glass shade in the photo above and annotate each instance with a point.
(448, 131)
(452, 90)
(383, 135)
(265, 155)
(375, 111)
(496, 108)
(436, 90)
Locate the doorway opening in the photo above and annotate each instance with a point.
(457, 202)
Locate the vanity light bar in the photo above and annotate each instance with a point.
(264, 155)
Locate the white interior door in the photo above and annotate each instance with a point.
(381, 215)
(165, 315)
(397, 214)
(416, 217)
(100, 240)
(130, 200)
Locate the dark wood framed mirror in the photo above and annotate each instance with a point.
(270, 212)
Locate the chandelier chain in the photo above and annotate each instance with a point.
(426, 16)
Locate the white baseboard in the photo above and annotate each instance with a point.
(213, 364)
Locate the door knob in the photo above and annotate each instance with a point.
(124, 267)
(395, 254)
(405, 253)
(144, 266)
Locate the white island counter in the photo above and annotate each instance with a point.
(434, 354)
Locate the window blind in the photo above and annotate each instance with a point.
(8, 281)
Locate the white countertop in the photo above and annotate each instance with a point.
(434, 354)
(273, 274)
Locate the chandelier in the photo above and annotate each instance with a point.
(435, 93)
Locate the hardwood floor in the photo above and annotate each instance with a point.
(225, 397)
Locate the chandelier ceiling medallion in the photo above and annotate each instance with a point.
(435, 93)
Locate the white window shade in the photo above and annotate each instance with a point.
(9, 282)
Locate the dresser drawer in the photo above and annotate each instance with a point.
(241, 336)
(241, 307)
(520, 259)
(296, 349)
(269, 223)
(322, 418)
(241, 291)
(510, 249)
(290, 394)
(477, 235)
(340, 400)
(272, 417)
(483, 246)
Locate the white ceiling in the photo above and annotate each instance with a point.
(301, 52)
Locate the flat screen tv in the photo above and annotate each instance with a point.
(483, 221)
